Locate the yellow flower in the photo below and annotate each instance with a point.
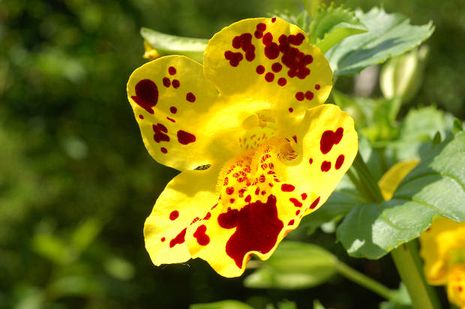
(443, 250)
(256, 146)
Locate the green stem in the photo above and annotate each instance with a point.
(365, 182)
(410, 269)
(405, 257)
(365, 281)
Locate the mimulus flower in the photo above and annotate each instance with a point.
(443, 250)
(256, 146)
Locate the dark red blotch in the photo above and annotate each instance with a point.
(160, 131)
(257, 228)
(179, 239)
(329, 139)
(185, 137)
(201, 236)
(146, 95)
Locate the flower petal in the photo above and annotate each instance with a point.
(269, 60)
(264, 193)
(394, 176)
(168, 95)
(186, 199)
(184, 122)
(456, 286)
(438, 244)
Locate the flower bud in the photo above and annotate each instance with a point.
(402, 76)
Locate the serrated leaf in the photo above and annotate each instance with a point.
(332, 25)
(172, 44)
(388, 35)
(435, 187)
(291, 268)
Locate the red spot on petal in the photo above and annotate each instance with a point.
(141, 117)
(146, 95)
(296, 39)
(160, 133)
(304, 196)
(309, 95)
(296, 202)
(291, 222)
(173, 109)
(273, 19)
(200, 235)
(299, 96)
(282, 81)
(207, 216)
(269, 77)
(310, 161)
(267, 39)
(166, 82)
(339, 161)
(163, 239)
(234, 58)
(261, 27)
(315, 203)
(190, 97)
(185, 137)
(229, 190)
(272, 50)
(325, 166)
(174, 215)
(329, 139)
(294, 137)
(287, 187)
(236, 42)
(179, 239)
(290, 109)
(163, 150)
(248, 198)
(171, 119)
(276, 67)
(257, 229)
(260, 69)
(176, 83)
(172, 70)
(297, 212)
(317, 86)
(232, 200)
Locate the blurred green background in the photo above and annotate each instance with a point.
(76, 182)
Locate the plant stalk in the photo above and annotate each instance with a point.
(365, 281)
(406, 258)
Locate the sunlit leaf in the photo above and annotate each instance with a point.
(388, 35)
(171, 44)
(435, 187)
(331, 25)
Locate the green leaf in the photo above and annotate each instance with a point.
(332, 25)
(435, 187)
(388, 35)
(375, 119)
(294, 265)
(225, 304)
(420, 126)
(172, 44)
